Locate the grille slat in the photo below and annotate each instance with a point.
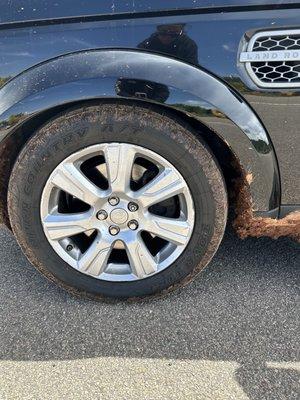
(277, 72)
(271, 43)
(281, 46)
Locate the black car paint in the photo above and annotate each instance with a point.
(261, 126)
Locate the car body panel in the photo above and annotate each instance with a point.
(123, 74)
(213, 32)
(24, 10)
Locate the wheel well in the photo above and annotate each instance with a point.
(10, 149)
(227, 160)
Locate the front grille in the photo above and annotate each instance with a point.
(277, 72)
(273, 42)
(272, 59)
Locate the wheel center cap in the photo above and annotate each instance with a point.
(119, 216)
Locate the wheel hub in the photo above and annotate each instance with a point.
(119, 216)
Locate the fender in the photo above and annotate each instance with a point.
(151, 77)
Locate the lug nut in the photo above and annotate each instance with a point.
(69, 247)
(133, 224)
(133, 207)
(102, 215)
(113, 200)
(114, 230)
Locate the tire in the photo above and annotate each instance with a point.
(139, 125)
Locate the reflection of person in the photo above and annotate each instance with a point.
(167, 39)
(172, 40)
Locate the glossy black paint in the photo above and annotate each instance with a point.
(260, 126)
(33, 10)
(119, 73)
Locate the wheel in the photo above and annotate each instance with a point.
(118, 201)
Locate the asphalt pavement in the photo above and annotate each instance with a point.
(231, 334)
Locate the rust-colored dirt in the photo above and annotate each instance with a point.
(246, 224)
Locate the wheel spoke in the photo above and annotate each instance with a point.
(167, 184)
(170, 229)
(141, 261)
(70, 179)
(59, 226)
(119, 161)
(94, 260)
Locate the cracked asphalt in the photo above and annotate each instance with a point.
(231, 334)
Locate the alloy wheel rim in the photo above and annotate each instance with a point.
(117, 212)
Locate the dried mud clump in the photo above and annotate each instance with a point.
(246, 224)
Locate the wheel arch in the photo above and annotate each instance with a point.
(226, 122)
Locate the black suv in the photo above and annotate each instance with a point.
(128, 129)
